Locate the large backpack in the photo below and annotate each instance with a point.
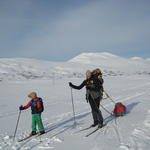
(34, 106)
(96, 73)
(42, 106)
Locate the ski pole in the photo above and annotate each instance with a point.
(109, 97)
(17, 124)
(102, 107)
(106, 109)
(73, 107)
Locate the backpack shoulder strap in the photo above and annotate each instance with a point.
(39, 100)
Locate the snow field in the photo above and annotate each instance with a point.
(130, 132)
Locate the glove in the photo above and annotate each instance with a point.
(21, 108)
(70, 84)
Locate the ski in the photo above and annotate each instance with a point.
(26, 138)
(30, 136)
(94, 131)
(84, 129)
(37, 135)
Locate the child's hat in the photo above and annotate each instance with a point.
(33, 95)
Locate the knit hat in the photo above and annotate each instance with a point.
(33, 95)
(88, 72)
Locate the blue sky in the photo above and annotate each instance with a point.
(58, 30)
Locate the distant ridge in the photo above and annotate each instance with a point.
(26, 68)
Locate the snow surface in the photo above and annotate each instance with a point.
(129, 85)
(131, 132)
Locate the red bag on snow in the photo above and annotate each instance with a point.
(119, 110)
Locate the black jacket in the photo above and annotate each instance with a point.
(94, 87)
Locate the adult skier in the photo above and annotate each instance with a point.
(37, 108)
(94, 93)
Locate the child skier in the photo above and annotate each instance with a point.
(37, 108)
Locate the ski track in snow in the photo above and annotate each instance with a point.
(141, 136)
(39, 141)
(116, 129)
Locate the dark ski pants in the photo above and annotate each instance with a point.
(97, 115)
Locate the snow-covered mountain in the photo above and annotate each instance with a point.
(20, 68)
(112, 62)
